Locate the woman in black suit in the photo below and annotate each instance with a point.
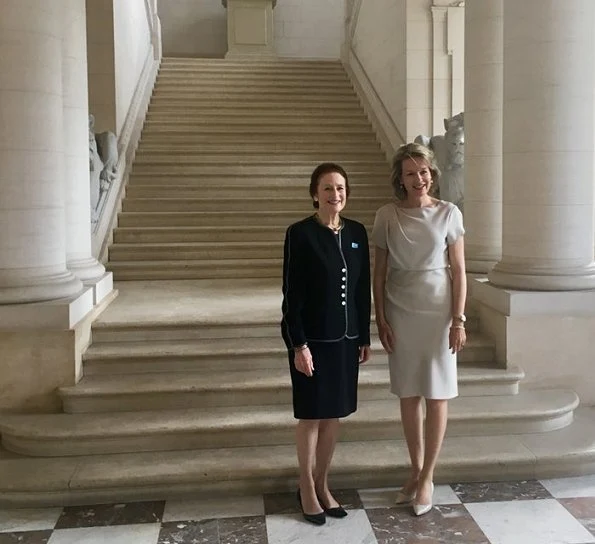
(326, 328)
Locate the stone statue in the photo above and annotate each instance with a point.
(103, 163)
(449, 150)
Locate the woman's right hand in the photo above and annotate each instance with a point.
(387, 337)
(303, 361)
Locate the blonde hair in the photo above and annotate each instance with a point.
(412, 151)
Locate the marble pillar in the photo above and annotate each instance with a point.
(483, 134)
(32, 227)
(79, 258)
(548, 141)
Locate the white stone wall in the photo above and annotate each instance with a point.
(100, 56)
(303, 28)
(309, 29)
(379, 42)
(132, 44)
(193, 28)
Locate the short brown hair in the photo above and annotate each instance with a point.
(412, 151)
(321, 170)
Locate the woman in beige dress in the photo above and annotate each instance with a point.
(419, 296)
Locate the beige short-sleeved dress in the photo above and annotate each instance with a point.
(418, 296)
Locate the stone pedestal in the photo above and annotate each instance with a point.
(548, 334)
(250, 29)
(548, 141)
(42, 347)
(483, 134)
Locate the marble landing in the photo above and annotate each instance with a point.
(558, 511)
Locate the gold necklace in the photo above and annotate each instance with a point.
(332, 227)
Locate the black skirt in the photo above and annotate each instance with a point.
(332, 390)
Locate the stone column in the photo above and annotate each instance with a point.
(548, 139)
(79, 258)
(250, 29)
(483, 134)
(32, 236)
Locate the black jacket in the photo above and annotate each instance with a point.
(326, 283)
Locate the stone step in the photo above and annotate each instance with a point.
(256, 115)
(344, 140)
(246, 78)
(289, 123)
(226, 65)
(147, 476)
(330, 130)
(290, 98)
(272, 203)
(229, 353)
(161, 235)
(370, 150)
(249, 82)
(195, 251)
(238, 388)
(289, 191)
(184, 75)
(370, 173)
(266, 163)
(226, 193)
(132, 432)
(279, 105)
(99, 358)
(223, 218)
(156, 235)
(293, 92)
(264, 182)
(186, 270)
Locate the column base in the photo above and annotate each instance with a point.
(479, 266)
(89, 269)
(26, 289)
(534, 279)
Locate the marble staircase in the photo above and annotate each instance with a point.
(186, 389)
(224, 162)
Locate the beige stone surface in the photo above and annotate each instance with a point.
(195, 301)
(34, 364)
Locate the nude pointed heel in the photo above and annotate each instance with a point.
(421, 509)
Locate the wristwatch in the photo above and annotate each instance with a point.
(461, 317)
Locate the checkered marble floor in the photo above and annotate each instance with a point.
(558, 511)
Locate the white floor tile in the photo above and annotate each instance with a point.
(569, 488)
(385, 497)
(292, 529)
(143, 533)
(213, 508)
(528, 522)
(28, 519)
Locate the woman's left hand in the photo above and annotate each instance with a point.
(456, 339)
(364, 354)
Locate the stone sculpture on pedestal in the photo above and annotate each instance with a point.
(103, 161)
(449, 150)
